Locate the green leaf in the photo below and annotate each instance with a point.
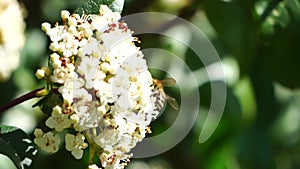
(293, 6)
(93, 6)
(280, 27)
(16, 145)
(7, 129)
(47, 103)
(236, 28)
(282, 56)
(279, 14)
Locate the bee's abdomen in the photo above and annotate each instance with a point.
(159, 99)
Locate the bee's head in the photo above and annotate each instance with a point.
(157, 84)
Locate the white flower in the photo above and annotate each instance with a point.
(41, 73)
(64, 14)
(12, 37)
(75, 144)
(72, 88)
(46, 26)
(104, 92)
(75, 120)
(92, 45)
(88, 68)
(103, 76)
(61, 73)
(58, 120)
(93, 166)
(107, 139)
(46, 141)
(112, 160)
(87, 113)
(110, 16)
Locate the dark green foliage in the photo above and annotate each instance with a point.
(282, 50)
(15, 144)
(236, 28)
(92, 6)
(271, 36)
(47, 103)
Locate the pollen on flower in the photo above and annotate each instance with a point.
(105, 82)
(46, 141)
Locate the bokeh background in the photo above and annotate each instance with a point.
(258, 42)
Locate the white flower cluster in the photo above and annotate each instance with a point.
(12, 37)
(106, 87)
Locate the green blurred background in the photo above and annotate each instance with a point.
(258, 42)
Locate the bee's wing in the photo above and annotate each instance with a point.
(172, 102)
(168, 82)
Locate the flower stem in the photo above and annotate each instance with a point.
(91, 154)
(33, 94)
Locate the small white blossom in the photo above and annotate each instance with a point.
(64, 14)
(75, 120)
(110, 16)
(112, 160)
(75, 144)
(41, 73)
(87, 114)
(46, 141)
(93, 166)
(46, 26)
(58, 120)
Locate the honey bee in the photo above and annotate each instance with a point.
(160, 96)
